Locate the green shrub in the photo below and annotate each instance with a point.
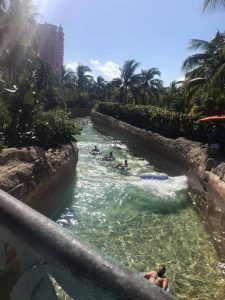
(48, 129)
(54, 128)
(167, 123)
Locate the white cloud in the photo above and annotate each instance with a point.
(181, 78)
(72, 66)
(109, 70)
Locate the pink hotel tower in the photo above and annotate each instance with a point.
(51, 45)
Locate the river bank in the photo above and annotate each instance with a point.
(206, 176)
(36, 177)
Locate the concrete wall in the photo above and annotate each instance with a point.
(207, 187)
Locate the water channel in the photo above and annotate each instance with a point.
(142, 223)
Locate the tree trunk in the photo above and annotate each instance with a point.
(125, 98)
(144, 94)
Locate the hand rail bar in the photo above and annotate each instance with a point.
(90, 271)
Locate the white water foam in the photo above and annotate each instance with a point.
(163, 188)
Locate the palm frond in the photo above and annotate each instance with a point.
(116, 82)
(192, 92)
(218, 80)
(195, 44)
(213, 4)
(200, 71)
(128, 69)
(194, 61)
(157, 82)
(154, 92)
(196, 82)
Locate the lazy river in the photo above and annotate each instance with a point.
(142, 223)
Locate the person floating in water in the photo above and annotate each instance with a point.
(158, 277)
(122, 166)
(95, 150)
(109, 157)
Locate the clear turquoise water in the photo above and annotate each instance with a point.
(142, 223)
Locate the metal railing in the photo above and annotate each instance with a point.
(46, 249)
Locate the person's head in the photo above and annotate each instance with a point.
(161, 271)
(96, 148)
(125, 162)
(111, 154)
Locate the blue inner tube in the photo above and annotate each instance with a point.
(154, 177)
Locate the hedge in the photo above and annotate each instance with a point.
(167, 123)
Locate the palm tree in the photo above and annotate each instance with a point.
(150, 84)
(174, 97)
(67, 78)
(205, 72)
(128, 76)
(66, 85)
(66, 75)
(99, 85)
(82, 78)
(113, 91)
(208, 66)
(213, 4)
(84, 85)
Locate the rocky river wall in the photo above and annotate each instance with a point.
(206, 174)
(38, 177)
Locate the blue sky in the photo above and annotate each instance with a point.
(104, 33)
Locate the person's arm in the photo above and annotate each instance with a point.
(165, 283)
(148, 274)
(117, 166)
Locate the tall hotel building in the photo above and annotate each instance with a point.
(51, 45)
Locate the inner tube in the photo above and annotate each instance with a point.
(108, 158)
(95, 152)
(154, 177)
(124, 169)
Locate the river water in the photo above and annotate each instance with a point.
(142, 223)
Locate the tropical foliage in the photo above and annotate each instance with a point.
(29, 87)
(177, 107)
(56, 125)
(132, 87)
(154, 118)
(205, 74)
(174, 97)
(33, 98)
